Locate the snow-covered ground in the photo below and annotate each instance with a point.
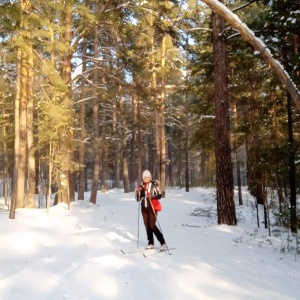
(76, 254)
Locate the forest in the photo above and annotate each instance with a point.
(201, 93)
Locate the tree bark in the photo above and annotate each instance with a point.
(288, 48)
(186, 141)
(22, 151)
(292, 170)
(30, 136)
(96, 153)
(14, 194)
(81, 160)
(237, 158)
(116, 146)
(48, 196)
(5, 162)
(104, 148)
(140, 144)
(66, 178)
(134, 156)
(224, 176)
(124, 143)
(162, 105)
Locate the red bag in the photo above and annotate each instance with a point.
(156, 204)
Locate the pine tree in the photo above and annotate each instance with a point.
(224, 176)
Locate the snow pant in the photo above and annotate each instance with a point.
(149, 220)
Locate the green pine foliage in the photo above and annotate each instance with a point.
(129, 53)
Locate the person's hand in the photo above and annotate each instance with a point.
(139, 189)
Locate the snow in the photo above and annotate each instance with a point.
(76, 254)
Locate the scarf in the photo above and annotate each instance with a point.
(147, 188)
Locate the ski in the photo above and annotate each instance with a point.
(132, 251)
(157, 251)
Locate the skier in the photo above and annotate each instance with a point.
(149, 194)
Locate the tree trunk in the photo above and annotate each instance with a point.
(203, 158)
(116, 134)
(155, 170)
(151, 141)
(291, 143)
(186, 142)
(133, 162)
(124, 142)
(266, 208)
(16, 140)
(237, 158)
(170, 167)
(292, 171)
(30, 137)
(224, 176)
(23, 133)
(5, 160)
(140, 144)
(66, 179)
(179, 167)
(48, 196)
(96, 162)
(160, 133)
(96, 153)
(162, 105)
(104, 146)
(81, 159)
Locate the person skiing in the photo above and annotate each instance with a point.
(149, 194)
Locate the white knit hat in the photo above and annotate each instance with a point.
(146, 173)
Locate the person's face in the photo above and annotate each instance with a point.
(147, 179)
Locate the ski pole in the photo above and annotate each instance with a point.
(138, 227)
(156, 218)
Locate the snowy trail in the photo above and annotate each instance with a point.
(76, 254)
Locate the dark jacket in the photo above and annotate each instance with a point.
(154, 191)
